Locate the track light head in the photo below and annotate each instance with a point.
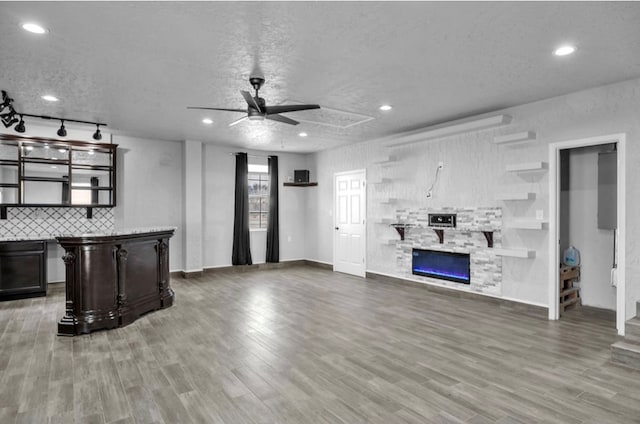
(62, 132)
(97, 135)
(20, 127)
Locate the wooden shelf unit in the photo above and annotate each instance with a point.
(569, 295)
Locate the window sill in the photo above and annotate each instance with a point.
(257, 230)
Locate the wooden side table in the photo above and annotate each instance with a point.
(569, 295)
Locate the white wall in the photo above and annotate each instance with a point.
(581, 220)
(218, 191)
(150, 189)
(474, 172)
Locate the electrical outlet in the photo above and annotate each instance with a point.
(440, 165)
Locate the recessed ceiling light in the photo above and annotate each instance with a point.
(34, 28)
(62, 150)
(207, 121)
(564, 50)
(50, 98)
(386, 107)
(303, 134)
(29, 148)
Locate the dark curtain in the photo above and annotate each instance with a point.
(95, 182)
(241, 254)
(273, 228)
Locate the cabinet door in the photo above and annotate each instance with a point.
(97, 294)
(21, 272)
(142, 272)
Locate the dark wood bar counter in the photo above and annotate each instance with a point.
(112, 279)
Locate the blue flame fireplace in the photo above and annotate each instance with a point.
(449, 266)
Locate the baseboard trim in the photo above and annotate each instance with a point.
(319, 264)
(191, 274)
(513, 305)
(255, 267)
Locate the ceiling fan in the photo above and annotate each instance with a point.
(257, 108)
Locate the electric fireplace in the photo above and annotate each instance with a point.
(450, 266)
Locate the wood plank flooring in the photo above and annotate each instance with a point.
(305, 345)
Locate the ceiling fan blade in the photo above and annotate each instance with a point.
(217, 108)
(283, 119)
(250, 100)
(289, 108)
(237, 121)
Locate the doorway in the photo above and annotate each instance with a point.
(349, 240)
(565, 226)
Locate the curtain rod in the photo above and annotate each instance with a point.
(251, 156)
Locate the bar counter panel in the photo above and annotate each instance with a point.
(111, 280)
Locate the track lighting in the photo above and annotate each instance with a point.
(20, 127)
(8, 117)
(97, 135)
(62, 132)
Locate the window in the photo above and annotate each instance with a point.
(258, 196)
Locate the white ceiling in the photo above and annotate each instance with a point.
(138, 65)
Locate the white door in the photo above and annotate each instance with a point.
(349, 247)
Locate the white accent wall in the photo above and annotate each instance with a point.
(475, 173)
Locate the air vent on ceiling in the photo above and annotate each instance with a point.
(330, 117)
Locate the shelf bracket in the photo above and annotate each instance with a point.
(440, 234)
(400, 228)
(489, 236)
(3, 212)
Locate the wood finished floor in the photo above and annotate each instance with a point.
(305, 345)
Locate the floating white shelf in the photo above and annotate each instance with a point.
(391, 201)
(390, 160)
(516, 253)
(515, 196)
(515, 138)
(448, 129)
(527, 224)
(528, 166)
(382, 181)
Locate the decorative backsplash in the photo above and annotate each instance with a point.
(25, 221)
(467, 237)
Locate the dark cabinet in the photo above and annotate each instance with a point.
(113, 280)
(23, 269)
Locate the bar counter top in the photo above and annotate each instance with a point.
(113, 233)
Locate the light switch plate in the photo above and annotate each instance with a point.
(539, 214)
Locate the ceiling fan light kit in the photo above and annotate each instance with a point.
(257, 109)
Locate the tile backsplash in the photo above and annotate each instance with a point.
(26, 221)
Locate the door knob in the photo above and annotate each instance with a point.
(337, 228)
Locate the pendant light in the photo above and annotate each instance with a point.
(97, 135)
(62, 132)
(20, 127)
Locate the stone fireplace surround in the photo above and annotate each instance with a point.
(466, 237)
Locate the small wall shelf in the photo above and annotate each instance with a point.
(527, 224)
(515, 138)
(391, 201)
(381, 181)
(516, 253)
(526, 167)
(516, 196)
(388, 161)
(300, 184)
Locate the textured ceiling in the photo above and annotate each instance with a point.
(137, 65)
